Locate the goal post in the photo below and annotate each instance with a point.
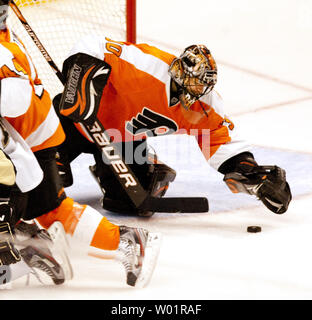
(59, 24)
(131, 20)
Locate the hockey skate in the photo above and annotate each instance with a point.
(41, 259)
(138, 252)
(39, 247)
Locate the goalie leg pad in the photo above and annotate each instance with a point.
(154, 176)
(159, 179)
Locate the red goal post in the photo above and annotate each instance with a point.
(131, 20)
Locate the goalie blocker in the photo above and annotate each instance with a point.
(86, 77)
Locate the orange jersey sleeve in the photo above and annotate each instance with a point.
(24, 101)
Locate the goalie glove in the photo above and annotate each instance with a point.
(267, 183)
(8, 253)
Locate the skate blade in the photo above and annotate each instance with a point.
(60, 247)
(150, 259)
(6, 286)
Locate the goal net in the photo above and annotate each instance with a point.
(60, 23)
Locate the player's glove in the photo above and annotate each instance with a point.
(268, 183)
(8, 253)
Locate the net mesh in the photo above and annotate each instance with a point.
(60, 23)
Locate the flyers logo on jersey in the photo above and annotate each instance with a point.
(151, 123)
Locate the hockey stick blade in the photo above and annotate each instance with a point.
(176, 205)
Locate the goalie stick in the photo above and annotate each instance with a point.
(129, 182)
(36, 40)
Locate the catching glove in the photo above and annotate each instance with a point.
(267, 183)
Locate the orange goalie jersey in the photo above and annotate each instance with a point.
(137, 100)
(24, 102)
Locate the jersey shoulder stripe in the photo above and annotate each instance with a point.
(160, 54)
(141, 60)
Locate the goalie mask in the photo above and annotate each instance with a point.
(4, 11)
(195, 72)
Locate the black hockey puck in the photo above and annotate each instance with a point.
(254, 229)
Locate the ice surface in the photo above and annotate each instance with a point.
(263, 53)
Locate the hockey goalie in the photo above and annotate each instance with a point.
(147, 92)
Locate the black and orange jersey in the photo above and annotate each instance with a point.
(136, 101)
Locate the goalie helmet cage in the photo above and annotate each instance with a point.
(59, 24)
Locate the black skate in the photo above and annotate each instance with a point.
(41, 260)
(138, 251)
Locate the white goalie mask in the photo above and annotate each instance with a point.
(195, 72)
(4, 11)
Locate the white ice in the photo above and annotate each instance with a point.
(263, 52)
